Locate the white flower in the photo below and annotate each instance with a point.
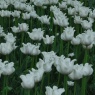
(30, 49)
(37, 34)
(44, 19)
(65, 65)
(16, 14)
(48, 56)
(92, 14)
(68, 33)
(38, 2)
(27, 81)
(1, 31)
(77, 72)
(48, 40)
(87, 69)
(15, 29)
(63, 5)
(87, 38)
(75, 41)
(33, 14)
(71, 11)
(8, 68)
(70, 83)
(5, 13)
(25, 16)
(38, 74)
(53, 1)
(86, 24)
(10, 38)
(77, 19)
(47, 61)
(23, 27)
(84, 11)
(7, 48)
(54, 91)
(88, 47)
(71, 54)
(47, 66)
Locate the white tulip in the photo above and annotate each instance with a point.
(16, 14)
(7, 48)
(86, 24)
(23, 27)
(37, 34)
(15, 29)
(54, 90)
(77, 72)
(8, 69)
(68, 33)
(63, 5)
(25, 16)
(38, 74)
(65, 65)
(10, 38)
(27, 81)
(87, 69)
(44, 19)
(70, 83)
(30, 49)
(48, 40)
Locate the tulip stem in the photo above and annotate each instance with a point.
(51, 23)
(28, 92)
(75, 88)
(54, 45)
(48, 78)
(58, 79)
(65, 84)
(61, 43)
(5, 91)
(42, 82)
(68, 44)
(84, 80)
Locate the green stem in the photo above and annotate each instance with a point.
(68, 45)
(61, 43)
(58, 79)
(51, 23)
(75, 88)
(28, 92)
(55, 39)
(42, 82)
(84, 80)
(48, 78)
(65, 84)
(5, 85)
